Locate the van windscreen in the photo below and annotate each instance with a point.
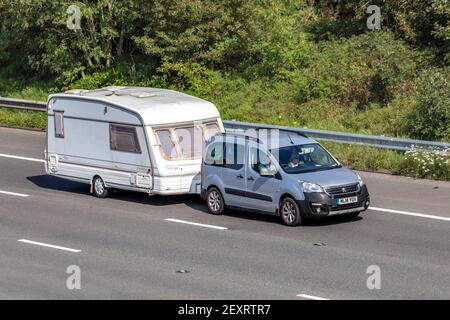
(304, 158)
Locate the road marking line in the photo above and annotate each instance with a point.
(421, 215)
(20, 158)
(307, 296)
(197, 224)
(14, 194)
(48, 245)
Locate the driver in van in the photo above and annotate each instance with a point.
(294, 160)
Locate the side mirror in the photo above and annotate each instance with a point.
(268, 172)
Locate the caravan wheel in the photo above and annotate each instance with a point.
(99, 188)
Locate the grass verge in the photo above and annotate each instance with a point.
(23, 118)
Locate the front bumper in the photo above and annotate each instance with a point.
(321, 204)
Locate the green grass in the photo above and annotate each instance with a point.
(426, 165)
(23, 118)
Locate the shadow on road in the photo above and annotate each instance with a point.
(59, 184)
(192, 201)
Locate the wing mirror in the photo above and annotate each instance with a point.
(268, 172)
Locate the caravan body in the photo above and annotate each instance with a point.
(140, 139)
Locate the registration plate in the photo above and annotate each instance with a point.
(346, 200)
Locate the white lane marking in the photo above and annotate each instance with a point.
(48, 245)
(20, 158)
(307, 296)
(197, 224)
(14, 194)
(414, 214)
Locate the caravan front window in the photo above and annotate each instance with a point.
(186, 138)
(166, 144)
(211, 130)
(185, 143)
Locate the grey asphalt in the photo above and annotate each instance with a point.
(130, 251)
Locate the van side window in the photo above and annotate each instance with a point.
(166, 144)
(234, 156)
(59, 124)
(214, 155)
(259, 159)
(124, 138)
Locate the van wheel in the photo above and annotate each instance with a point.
(290, 212)
(100, 190)
(215, 202)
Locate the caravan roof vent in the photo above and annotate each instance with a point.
(142, 94)
(114, 89)
(79, 92)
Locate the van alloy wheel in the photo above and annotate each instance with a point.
(215, 201)
(290, 213)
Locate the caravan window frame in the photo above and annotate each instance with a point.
(56, 115)
(179, 154)
(113, 144)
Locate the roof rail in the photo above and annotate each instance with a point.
(268, 127)
(238, 134)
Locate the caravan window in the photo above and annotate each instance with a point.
(211, 130)
(166, 144)
(59, 124)
(190, 140)
(124, 138)
(185, 142)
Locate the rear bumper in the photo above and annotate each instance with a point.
(320, 204)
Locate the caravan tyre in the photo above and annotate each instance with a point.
(100, 190)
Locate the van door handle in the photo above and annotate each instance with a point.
(250, 179)
(240, 176)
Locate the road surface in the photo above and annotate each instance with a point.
(132, 246)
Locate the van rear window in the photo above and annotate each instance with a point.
(124, 138)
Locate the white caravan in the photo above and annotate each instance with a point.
(140, 139)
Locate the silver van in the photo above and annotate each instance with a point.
(295, 178)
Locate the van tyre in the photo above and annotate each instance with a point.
(290, 212)
(215, 202)
(99, 188)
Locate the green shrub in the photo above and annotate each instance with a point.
(369, 68)
(430, 117)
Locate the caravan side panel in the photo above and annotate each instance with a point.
(81, 143)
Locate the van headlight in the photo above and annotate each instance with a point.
(309, 187)
(360, 181)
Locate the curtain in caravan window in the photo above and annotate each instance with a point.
(211, 130)
(124, 138)
(59, 124)
(190, 140)
(166, 144)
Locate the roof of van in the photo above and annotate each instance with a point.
(155, 106)
(286, 138)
